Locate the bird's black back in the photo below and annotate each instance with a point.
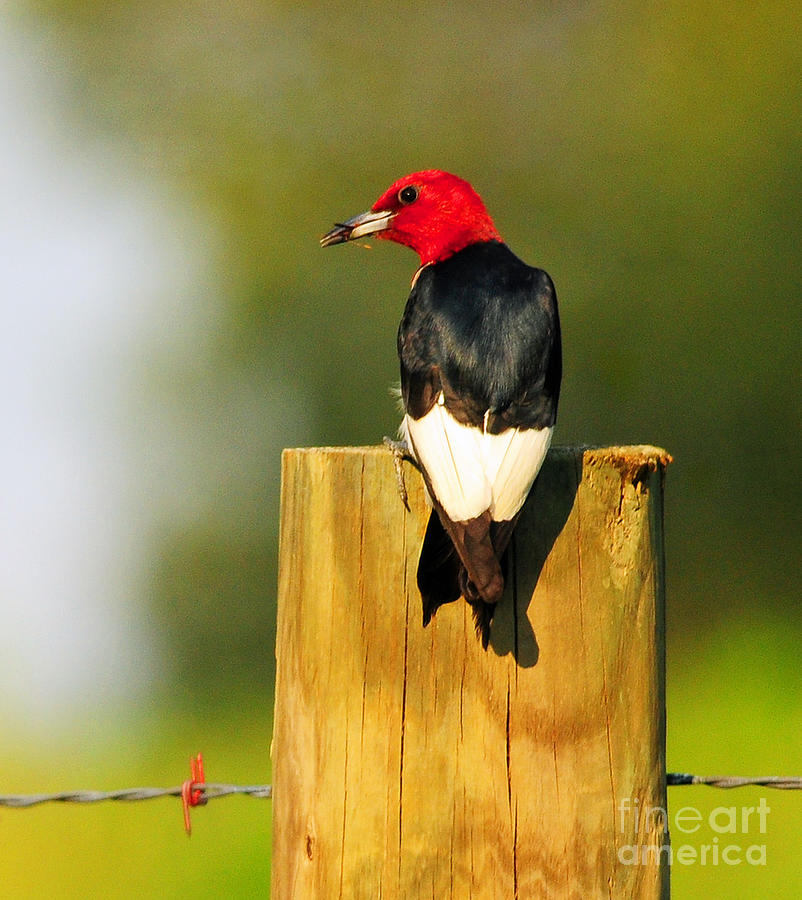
(482, 326)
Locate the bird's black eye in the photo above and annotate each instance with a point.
(409, 194)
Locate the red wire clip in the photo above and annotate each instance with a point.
(191, 793)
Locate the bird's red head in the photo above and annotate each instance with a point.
(433, 212)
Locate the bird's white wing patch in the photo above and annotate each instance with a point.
(512, 460)
(451, 455)
(471, 471)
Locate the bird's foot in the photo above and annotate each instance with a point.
(401, 454)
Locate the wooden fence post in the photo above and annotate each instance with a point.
(411, 763)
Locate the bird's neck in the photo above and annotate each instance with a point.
(440, 247)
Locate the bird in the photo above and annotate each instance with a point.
(480, 356)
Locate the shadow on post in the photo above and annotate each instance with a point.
(543, 518)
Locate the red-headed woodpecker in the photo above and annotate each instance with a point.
(479, 345)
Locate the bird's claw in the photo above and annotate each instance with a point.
(401, 453)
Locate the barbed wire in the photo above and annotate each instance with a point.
(212, 791)
(209, 790)
(781, 782)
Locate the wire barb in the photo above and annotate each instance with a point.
(191, 793)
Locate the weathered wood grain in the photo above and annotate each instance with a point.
(411, 763)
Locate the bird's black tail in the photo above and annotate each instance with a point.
(442, 577)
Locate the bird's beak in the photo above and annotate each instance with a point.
(365, 223)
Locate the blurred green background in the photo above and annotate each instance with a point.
(170, 324)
